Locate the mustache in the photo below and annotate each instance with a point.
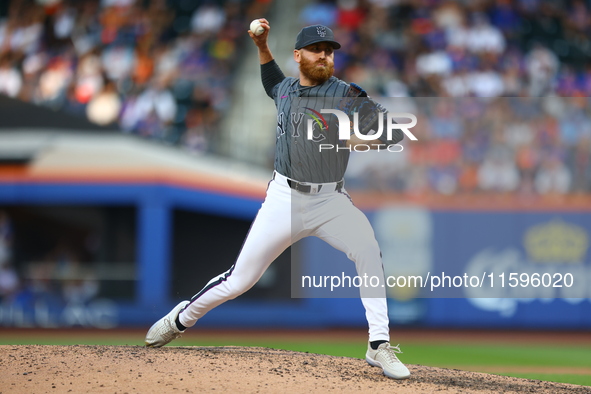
(318, 71)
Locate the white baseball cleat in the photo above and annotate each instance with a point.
(384, 357)
(165, 329)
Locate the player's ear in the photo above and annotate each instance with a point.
(296, 55)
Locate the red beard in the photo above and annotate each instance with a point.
(316, 74)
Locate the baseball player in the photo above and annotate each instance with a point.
(306, 197)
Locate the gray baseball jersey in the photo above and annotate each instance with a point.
(296, 156)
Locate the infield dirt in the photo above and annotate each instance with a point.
(136, 369)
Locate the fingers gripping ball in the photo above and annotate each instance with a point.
(256, 28)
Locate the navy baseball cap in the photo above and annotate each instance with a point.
(313, 34)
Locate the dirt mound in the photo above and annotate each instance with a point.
(131, 369)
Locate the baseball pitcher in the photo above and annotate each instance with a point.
(306, 196)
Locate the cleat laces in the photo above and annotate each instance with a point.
(389, 351)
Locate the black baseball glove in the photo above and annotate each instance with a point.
(357, 101)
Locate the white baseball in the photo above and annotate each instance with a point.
(256, 28)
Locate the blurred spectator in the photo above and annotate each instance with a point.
(498, 173)
(444, 179)
(209, 18)
(10, 77)
(350, 14)
(457, 85)
(444, 123)
(541, 66)
(104, 108)
(5, 238)
(483, 37)
(9, 280)
(468, 178)
(322, 12)
(195, 139)
(118, 61)
(579, 163)
(553, 177)
(155, 109)
(434, 63)
(504, 15)
(54, 81)
(486, 83)
(89, 81)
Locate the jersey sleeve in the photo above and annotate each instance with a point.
(271, 76)
(368, 109)
(373, 107)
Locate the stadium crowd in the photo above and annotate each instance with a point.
(163, 69)
(157, 68)
(533, 51)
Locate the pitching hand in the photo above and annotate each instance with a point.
(261, 40)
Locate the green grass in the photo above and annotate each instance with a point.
(438, 355)
(487, 355)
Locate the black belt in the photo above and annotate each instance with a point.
(305, 187)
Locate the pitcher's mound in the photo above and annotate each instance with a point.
(134, 369)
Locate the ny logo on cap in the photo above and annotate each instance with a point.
(321, 30)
